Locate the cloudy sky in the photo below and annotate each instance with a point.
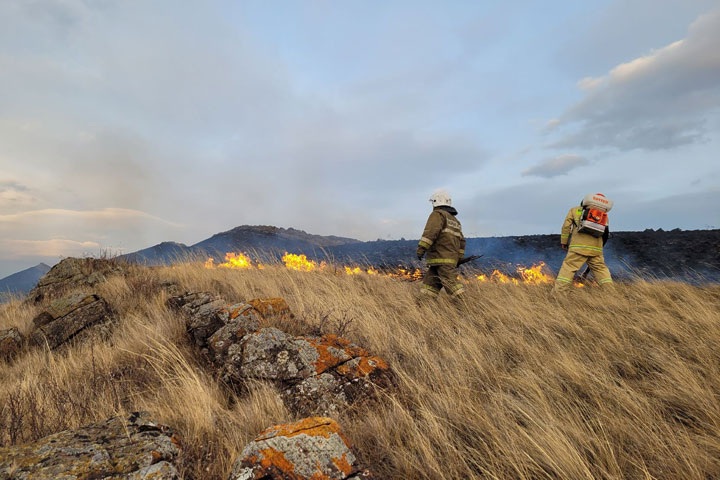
(124, 123)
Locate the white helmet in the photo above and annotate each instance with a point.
(597, 200)
(440, 198)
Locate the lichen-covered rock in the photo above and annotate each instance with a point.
(73, 273)
(232, 332)
(11, 342)
(269, 307)
(311, 449)
(207, 313)
(315, 374)
(71, 317)
(131, 447)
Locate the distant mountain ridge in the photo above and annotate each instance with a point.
(22, 282)
(679, 254)
(266, 240)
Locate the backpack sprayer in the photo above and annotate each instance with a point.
(594, 218)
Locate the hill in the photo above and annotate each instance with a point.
(510, 383)
(266, 240)
(23, 281)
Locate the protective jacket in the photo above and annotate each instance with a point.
(442, 238)
(582, 243)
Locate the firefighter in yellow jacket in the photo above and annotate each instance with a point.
(584, 234)
(443, 242)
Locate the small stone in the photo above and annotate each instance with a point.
(311, 449)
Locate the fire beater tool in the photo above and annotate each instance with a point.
(471, 258)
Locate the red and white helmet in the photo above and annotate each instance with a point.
(597, 200)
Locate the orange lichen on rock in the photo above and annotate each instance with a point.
(313, 448)
(237, 309)
(271, 459)
(333, 350)
(268, 307)
(313, 426)
(343, 465)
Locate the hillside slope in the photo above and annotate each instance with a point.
(512, 383)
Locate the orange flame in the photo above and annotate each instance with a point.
(236, 260)
(301, 263)
(500, 277)
(534, 274)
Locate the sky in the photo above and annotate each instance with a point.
(124, 123)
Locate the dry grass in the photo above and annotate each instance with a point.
(514, 384)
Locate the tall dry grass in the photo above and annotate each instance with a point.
(511, 384)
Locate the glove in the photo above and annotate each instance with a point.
(420, 253)
(564, 246)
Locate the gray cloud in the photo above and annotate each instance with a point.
(656, 102)
(553, 167)
(6, 185)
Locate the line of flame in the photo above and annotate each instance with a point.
(530, 276)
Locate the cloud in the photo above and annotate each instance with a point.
(106, 215)
(15, 196)
(47, 234)
(553, 167)
(52, 248)
(656, 102)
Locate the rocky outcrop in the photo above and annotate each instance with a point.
(311, 449)
(315, 374)
(71, 317)
(130, 447)
(74, 273)
(11, 342)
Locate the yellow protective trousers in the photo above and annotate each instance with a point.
(439, 276)
(574, 261)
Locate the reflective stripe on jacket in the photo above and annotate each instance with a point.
(582, 243)
(442, 238)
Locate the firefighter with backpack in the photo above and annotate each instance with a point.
(584, 234)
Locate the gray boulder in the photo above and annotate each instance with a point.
(310, 449)
(73, 273)
(131, 447)
(316, 375)
(72, 317)
(207, 314)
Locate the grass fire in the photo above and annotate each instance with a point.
(534, 275)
